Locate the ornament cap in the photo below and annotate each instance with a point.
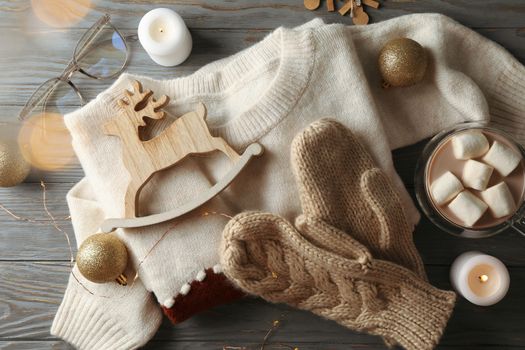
(122, 280)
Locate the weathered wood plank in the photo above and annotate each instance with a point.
(31, 292)
(405, 160)
(35, 345)
(40, 241)
(41, 58)
(270, 13)
(187, 345)
(199, 345)
(18, 84)
(21, 240)
(30, 295)
(176, 345)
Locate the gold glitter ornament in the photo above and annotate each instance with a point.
(102, 258)
(13, 167)
(402, 62)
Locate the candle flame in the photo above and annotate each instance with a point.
(483, 278)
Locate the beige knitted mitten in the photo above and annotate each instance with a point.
(266, 256)
(339, 183)
(336, 274)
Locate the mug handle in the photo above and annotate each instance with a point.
(519, 225)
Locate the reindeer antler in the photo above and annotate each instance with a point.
(153, 108)
(136, 97)
(141, 101)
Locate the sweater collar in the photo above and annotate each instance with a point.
(291, 50)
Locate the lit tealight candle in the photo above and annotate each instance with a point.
(165, 37)
(481, 279)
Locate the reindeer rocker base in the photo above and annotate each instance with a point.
(187, 135)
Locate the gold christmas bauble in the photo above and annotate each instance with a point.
(102, 257)
(402, 62)
(13, 167)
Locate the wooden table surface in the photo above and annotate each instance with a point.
(34, 258)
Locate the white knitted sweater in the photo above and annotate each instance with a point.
(267, 93)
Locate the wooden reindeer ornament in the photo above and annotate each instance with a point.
(187, 135)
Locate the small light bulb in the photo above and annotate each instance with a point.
(161, 30)
(483, 278)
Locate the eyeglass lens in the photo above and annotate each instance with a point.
(55, 96)
(101, 52)
(43, 138)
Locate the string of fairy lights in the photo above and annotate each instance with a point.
(54, 222)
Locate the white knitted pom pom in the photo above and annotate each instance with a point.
(185, 289)
(169, 303)
(468, 208)
(201, 276)
(217, 268)
(499, 199)
(445, 187)
(502, 158)
(469, 144)
(476, 175)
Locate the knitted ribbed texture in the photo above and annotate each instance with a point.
(507, 107)
(102, 320)
(292, 76)
(337, 275)
(103, 325)
(339, 183)
(266, 256)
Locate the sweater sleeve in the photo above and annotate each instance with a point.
(469, 78)
(108, 316)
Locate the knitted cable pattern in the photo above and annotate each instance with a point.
(266, 256)
(333, 261)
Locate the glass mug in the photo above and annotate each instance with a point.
(438, 215)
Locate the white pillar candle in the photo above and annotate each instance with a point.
(481, 279)
(165, 37)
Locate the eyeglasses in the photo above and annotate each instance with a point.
(101, 53)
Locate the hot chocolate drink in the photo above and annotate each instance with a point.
(481, 175)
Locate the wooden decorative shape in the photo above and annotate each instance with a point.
(109, 225)
(312, 4)
(360, 17)
(187, 135)
(371, 3)
(330, 5)
(346, 7)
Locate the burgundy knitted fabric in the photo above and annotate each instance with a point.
(214, 290)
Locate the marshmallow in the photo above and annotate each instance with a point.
(502, 158)
(469, 144)
(446, 187)
(468, 208)
(499, 199)
(476, 175)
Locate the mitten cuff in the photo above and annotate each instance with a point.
(417, 317)
(100, 322)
